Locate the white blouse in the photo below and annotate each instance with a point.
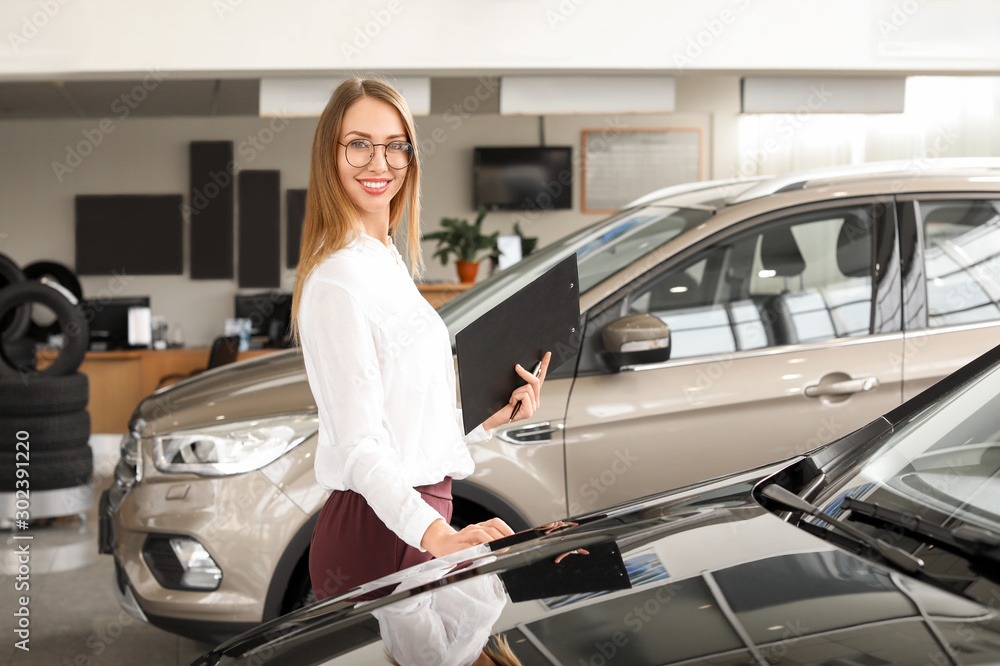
(379, 363)
(447, 626)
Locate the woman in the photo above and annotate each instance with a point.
(377, 356)
(449, 625)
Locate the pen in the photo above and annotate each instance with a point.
(534, 373)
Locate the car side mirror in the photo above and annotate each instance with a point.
(637, 339)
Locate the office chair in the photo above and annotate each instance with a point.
(225, 349)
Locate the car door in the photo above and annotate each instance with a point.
(951, 269)
(784, 335)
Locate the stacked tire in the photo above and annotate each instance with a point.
(46, 407)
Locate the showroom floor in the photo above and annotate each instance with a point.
(74, 618)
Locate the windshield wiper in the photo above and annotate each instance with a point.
(971, 541)
(897, 556)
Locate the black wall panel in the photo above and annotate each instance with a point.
(295, 201)
(211, 210)
(134, 234)
(260, 233)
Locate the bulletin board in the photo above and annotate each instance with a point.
(622, 165)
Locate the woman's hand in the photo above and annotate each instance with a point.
(441, 539)
(528, 394)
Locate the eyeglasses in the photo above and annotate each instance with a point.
(359, 152)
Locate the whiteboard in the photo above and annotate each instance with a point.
(622, 165)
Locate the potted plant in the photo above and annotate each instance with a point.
(528, 243)
(466, 241)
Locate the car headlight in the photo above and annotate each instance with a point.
(128, 471)
(232, 448)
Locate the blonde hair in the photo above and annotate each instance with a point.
(331, 219)
(501, 653)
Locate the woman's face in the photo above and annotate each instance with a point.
(371, 187)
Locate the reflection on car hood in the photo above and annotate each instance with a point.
(712, 577)
(270, 385)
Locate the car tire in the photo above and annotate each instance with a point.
(48, 470)
(46, 433)
(40, 395)
(60, 274)
(73, 324)
(13, 324)
(465, 513)
(300, 590)
(21, 353)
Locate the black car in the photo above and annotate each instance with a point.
(882, 547)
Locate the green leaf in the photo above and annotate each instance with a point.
(466, 241)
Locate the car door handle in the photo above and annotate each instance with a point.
(843, 387)
(536, 433)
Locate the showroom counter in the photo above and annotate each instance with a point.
(439, 293)
(120, 379)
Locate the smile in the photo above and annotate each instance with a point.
(375, 186)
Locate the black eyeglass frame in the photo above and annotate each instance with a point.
(371, 156)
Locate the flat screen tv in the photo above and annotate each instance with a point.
(523, 177)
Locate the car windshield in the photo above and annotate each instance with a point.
(602, 250)
(943, 464)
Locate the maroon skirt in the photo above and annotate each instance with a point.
(351, 545)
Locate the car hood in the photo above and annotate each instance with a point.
(270, 385)
(703, 574)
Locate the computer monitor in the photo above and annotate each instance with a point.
(270, 315)
(118, 323)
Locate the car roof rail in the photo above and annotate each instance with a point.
(694, 186)
(913, 167)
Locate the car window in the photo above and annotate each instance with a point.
(962, 256)
(602, 250)
(943, 463)
(804, 278)
(633, 237)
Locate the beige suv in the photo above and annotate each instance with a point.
(795, 308)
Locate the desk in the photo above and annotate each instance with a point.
(119, 380)
(439, 293)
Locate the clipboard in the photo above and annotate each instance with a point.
(541, 316)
